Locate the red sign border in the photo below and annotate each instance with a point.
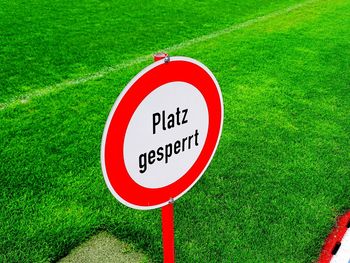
(155, 75)
(334, 238)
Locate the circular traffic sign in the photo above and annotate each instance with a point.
(162, 133)
(336, 248)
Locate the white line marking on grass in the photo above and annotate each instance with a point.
(25, 98)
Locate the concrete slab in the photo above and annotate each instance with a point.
(104, 248)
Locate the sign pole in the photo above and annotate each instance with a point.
(167, 213)
(166, 121)
(168, 233)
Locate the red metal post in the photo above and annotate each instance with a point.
(168, 233)
(167, 213)
(159, 56)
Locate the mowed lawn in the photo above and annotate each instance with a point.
(281, 174)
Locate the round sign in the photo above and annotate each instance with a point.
(336, 248)
(161, 133)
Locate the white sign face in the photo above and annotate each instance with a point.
(162, 133)
(166, 134)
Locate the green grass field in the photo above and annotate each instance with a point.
(281, 174)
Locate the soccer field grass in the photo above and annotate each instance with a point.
(281, 174)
